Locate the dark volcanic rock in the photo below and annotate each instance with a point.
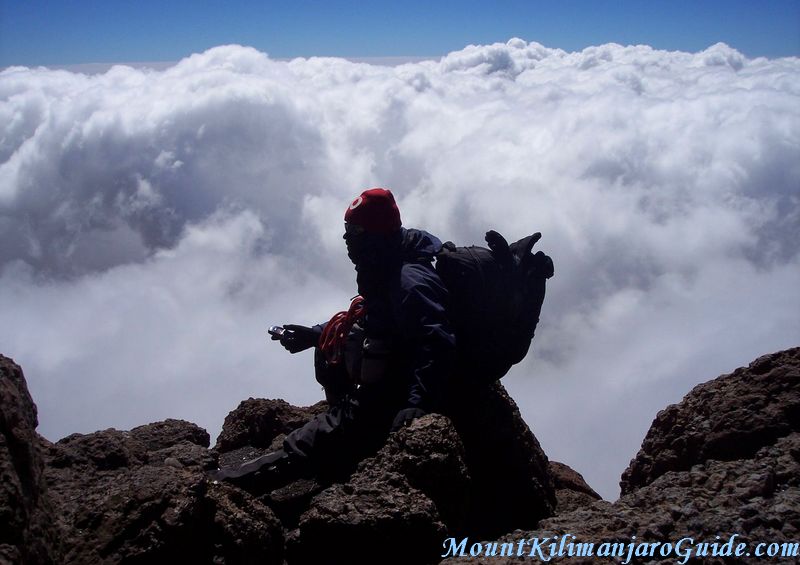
(105, 451)
(257, 421)
(26, 532)
(142, 497)
(291, 500)
(398, 505)
(510, 475)
(511, 483)
(724, 461)
(258, 426)
(572, 491)
(758, 499)
(155, 514)
(728, 418)
(174, 442)
(243, 530)
(429, 454)
(752, 490)
(169, 433)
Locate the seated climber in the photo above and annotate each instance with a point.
(383, 363)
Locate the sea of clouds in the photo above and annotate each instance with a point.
(153, 223)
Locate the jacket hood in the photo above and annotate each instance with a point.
(419, 244)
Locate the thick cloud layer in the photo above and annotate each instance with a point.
(154, 223)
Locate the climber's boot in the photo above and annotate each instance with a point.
(260, 475)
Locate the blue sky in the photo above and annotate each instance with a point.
(58, 32)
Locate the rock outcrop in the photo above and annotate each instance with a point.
(572, 491)
(758, 499)
(26, 532)
(512, 486)
(257, 422)
(726, 460)
(142, 497)
(727, 419)
(500, 475)
(411, 491)
(120, 497)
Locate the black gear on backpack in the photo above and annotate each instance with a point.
(496, 297)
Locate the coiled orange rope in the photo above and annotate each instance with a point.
(334, 336)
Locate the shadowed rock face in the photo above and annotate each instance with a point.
(411, 490)
(142, 497)
(26, 534)
(682, 486)
(511, 482)
(757, 498)
(120, 497)
(256, 422)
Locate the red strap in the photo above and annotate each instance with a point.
(334, 336)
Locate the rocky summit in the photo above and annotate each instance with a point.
(723, 461)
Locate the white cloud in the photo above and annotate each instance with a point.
(154, 223)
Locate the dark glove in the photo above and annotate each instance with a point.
(299, 338)
(406, 416)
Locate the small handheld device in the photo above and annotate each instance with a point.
(276, 331)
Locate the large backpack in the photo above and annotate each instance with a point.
(496, 296)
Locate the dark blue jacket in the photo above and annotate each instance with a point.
(409, 309)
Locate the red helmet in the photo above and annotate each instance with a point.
(374, 210)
